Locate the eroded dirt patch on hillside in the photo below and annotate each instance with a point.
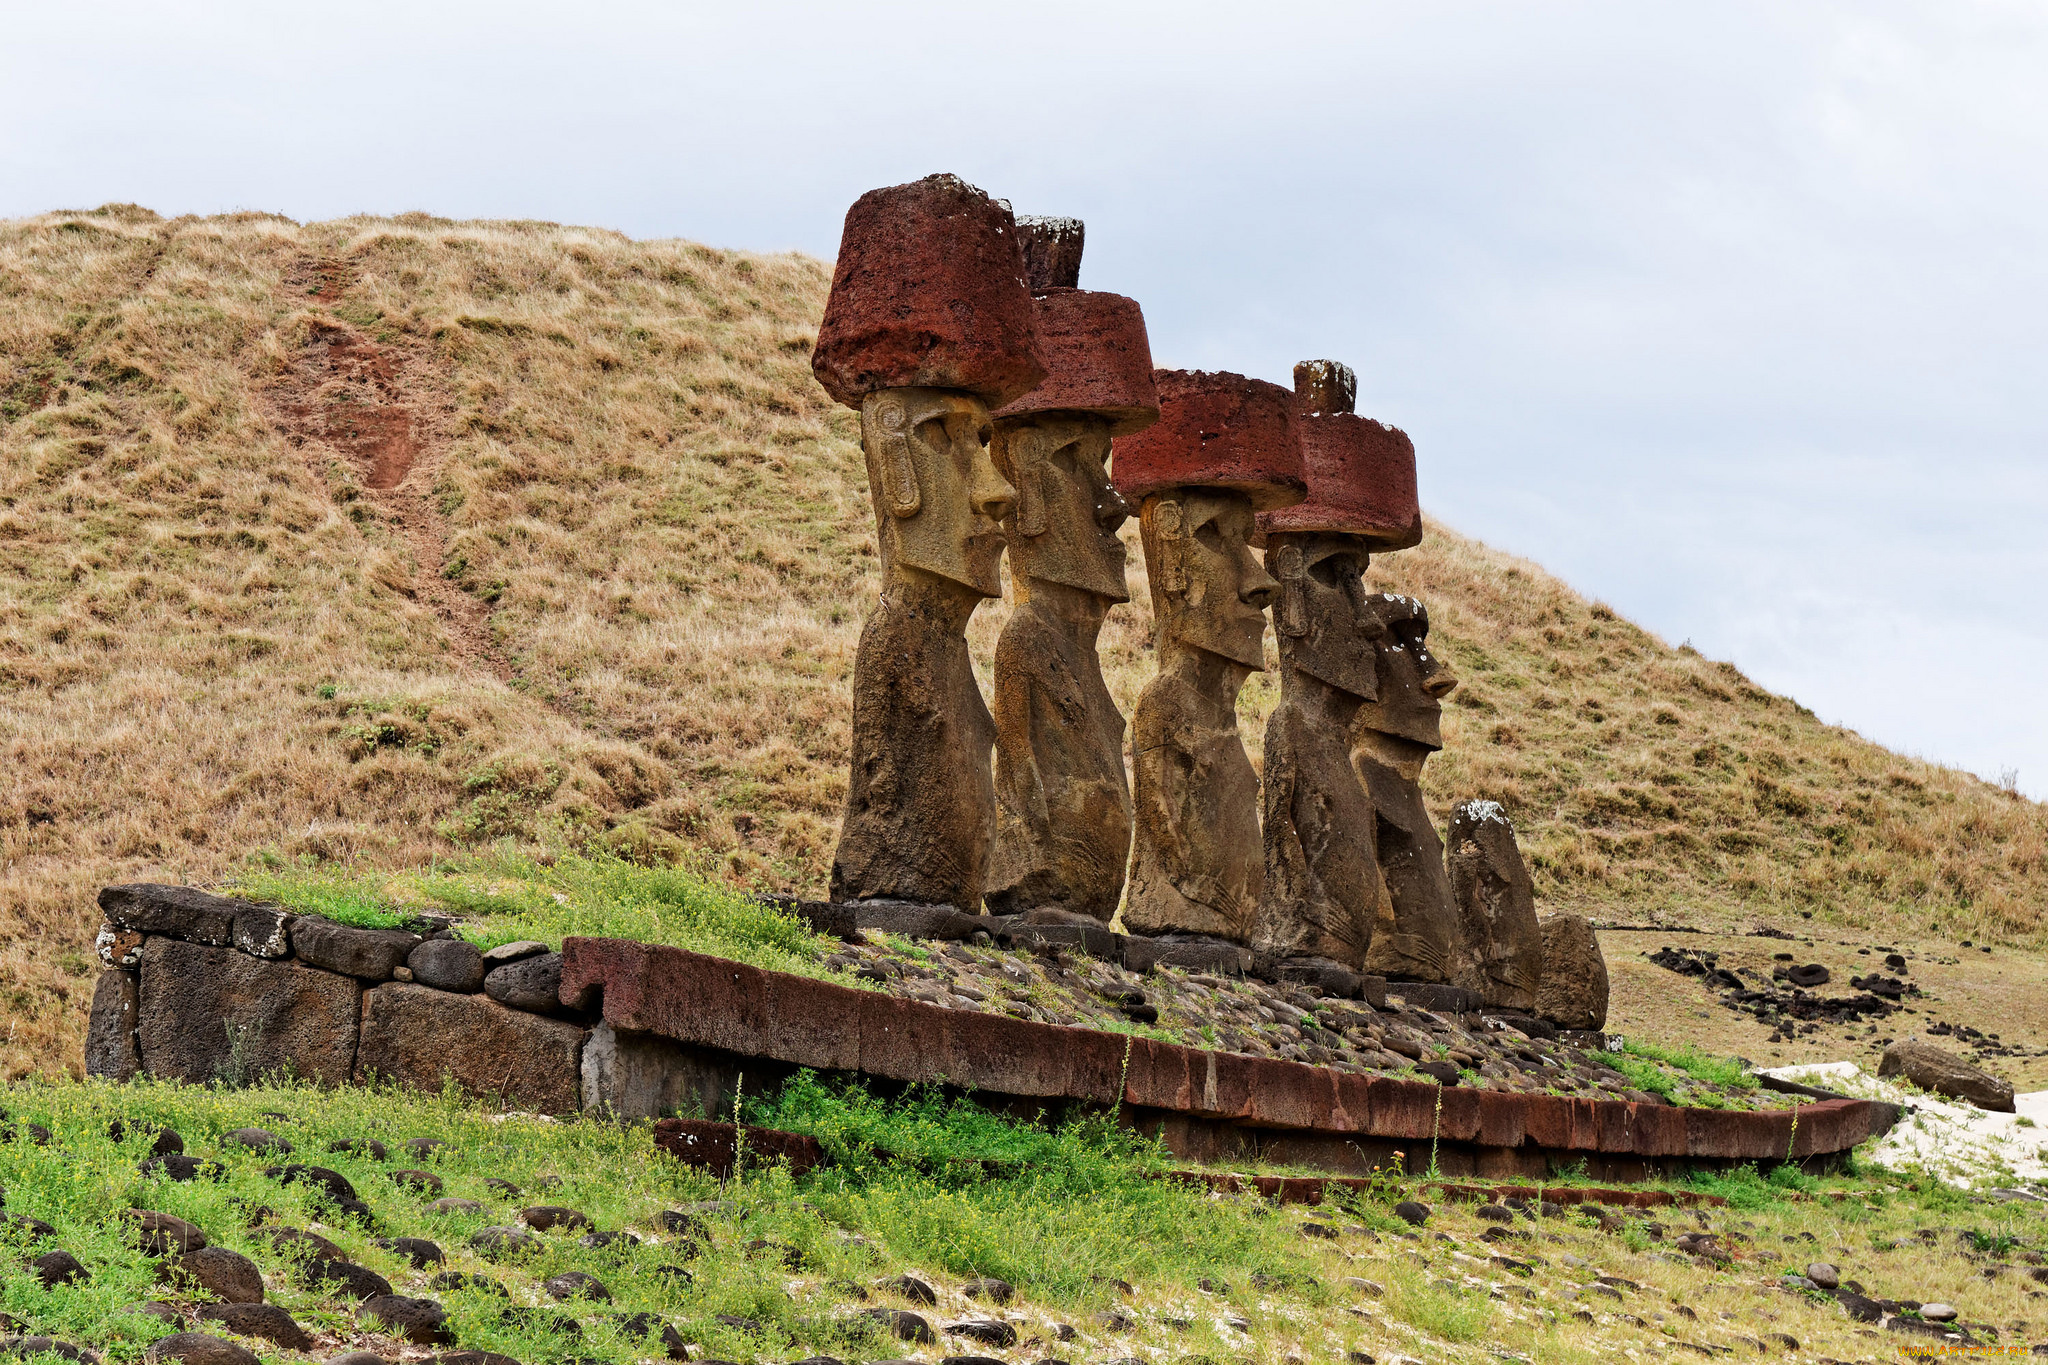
(380, 407)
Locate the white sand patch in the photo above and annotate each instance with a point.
(1958, 1143)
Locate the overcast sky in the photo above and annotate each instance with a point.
(1735, 315)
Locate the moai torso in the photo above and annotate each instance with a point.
(928, 325)
(1197, 864)
(1322, 884)
(1063, 832)
(1417, 934)
(920, 801)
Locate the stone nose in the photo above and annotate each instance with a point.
(1440, 682)
(991, 496)
(1256, 588)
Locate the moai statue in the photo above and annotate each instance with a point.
(1063, 805)
(927, 328)
(1322, 888)
(1418, 934)
(1222, 451)
(1497, 904)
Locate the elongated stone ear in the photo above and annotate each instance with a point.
(1169, 529)
(1030, 451)
(1292, 571)
(889, 429)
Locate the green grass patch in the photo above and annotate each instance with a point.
(503, 897)
(1649, 1068)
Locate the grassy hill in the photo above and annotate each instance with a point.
(383, 539)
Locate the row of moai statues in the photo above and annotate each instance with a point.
(1005, 408)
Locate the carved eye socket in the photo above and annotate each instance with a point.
(1211, 536)
(984, 434)
(932, 432)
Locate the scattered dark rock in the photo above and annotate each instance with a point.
(546, 1217)
(1494, 1213)
(452, 1205)
(371, 1358)
(995, 1291)
(256, 1140)
(1808, 976)
(1824, 1275)
(599, 1241)
(41, 1345)
(227, 1275)
(987, 1331)
(507, 1188)
(738, 1323)
(1412, 1213)
(296, 1244)
(910, 1287)
(574, 1284)
(902, 1325)
(504, 1241)
(158, 1309)
(419, 1321)
(1860, 1308)
(346, 1277)
(265, 1321)
(332, 1183)
(449, 1281)
(197, 1348)
(421, 1252)
(178, 1166)
(58, 1267)
(165, 1234)
(647, 1325)
(368, 1147)
(424, 1148)
(422, 1182)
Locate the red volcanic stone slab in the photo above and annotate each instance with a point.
(1098, 360)
(713, 1146)
(710, 1002)
(1361, 473)
(928, 291)
(1215, 430)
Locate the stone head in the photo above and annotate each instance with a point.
(1209, 591)
(1327, 628)
(1063, 528)
(1412, 682)
(938, 499)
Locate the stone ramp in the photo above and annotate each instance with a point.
(667, 1010)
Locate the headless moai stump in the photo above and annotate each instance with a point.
(928, 326)
(1497, 902)
(1573, 990)
(1222, 451)
(1418, 934)
(1063, 803)
(1322, 882)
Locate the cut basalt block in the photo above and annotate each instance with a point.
(178, 911)
(928, 292)
(418, 1035)
(110, 1048)
(367, 954)
(204, 1009)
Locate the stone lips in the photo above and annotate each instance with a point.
(928, 292)
(1361, 481)
(1098, 360)
(1215, 430)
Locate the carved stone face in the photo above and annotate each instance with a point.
(1208, 589)
(1064, 526)
(1326, 628)
(938, 497)
(1412, 681)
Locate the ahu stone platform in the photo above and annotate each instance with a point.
(200, 987)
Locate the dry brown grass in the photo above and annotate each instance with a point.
(633, 616)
